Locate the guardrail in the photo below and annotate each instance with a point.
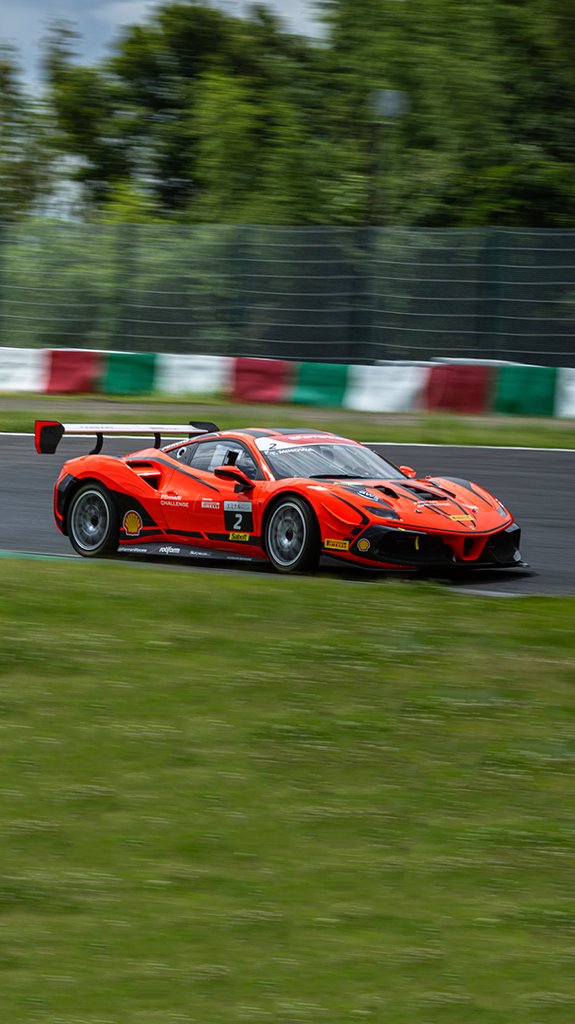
(467, 388)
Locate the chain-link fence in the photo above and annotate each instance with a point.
(348, 295)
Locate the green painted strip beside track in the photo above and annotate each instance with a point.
(34, 555)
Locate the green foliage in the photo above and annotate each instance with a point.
(492, 104)
(200, 115)
(25, 154)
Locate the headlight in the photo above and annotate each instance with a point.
(381, 511)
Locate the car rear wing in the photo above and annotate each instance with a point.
(49, 433)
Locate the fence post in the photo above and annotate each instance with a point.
(2, 244)
(360, 322)
(489, 294)
(243, 277)
(123, 277)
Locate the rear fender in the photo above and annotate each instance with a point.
(113, 474)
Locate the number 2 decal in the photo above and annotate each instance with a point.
(238, 516)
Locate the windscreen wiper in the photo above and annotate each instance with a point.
(340, 476)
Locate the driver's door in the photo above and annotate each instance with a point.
(220, 514)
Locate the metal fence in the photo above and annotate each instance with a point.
(348, 295)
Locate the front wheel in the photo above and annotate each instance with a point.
(292, 536)
(92, 521)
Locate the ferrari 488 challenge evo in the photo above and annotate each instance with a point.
(285, 496)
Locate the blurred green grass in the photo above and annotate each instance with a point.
(402, 428)
(246, 798)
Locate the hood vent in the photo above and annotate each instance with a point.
(422, 495)
(388, 491)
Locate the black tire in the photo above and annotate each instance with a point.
(291, 535)
(92, 521)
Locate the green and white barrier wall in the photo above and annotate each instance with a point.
(468, 388)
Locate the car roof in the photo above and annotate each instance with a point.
(293, 435)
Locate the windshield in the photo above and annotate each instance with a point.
(327, 462)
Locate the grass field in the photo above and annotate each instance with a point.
(244, 798)
(405, 428)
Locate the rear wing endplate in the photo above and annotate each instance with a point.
(49, 433)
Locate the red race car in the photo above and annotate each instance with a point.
(285, 496)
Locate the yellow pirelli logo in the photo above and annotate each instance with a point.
(336, 545)
(239, 536)
(462, 519)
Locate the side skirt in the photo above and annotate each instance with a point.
(176, 550)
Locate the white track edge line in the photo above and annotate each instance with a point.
(470, 447)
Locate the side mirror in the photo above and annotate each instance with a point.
(408, 472)
(231, 473)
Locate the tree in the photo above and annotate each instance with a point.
(136, 116)
(93, 126)
(200, 115)
(26, 169)
(491, 88)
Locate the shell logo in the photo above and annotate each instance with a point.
(364, 545)
(132, 524)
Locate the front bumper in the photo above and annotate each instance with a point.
(414, 549)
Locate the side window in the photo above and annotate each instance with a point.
(246, 463)
(210, 454)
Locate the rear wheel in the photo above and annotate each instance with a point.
(92, 521)
(292, 536)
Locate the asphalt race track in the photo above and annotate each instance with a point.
(537, 485)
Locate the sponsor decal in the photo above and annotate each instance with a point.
(363, 545)
(367, 494)
(240, 537)
(237, 506)
(432, 506)
(177, 502)
(336, 545)
(214, 505)
(168, 549)
(462, 519)
(132, 524)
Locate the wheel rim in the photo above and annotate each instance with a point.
(90, 520)
(287, 534)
